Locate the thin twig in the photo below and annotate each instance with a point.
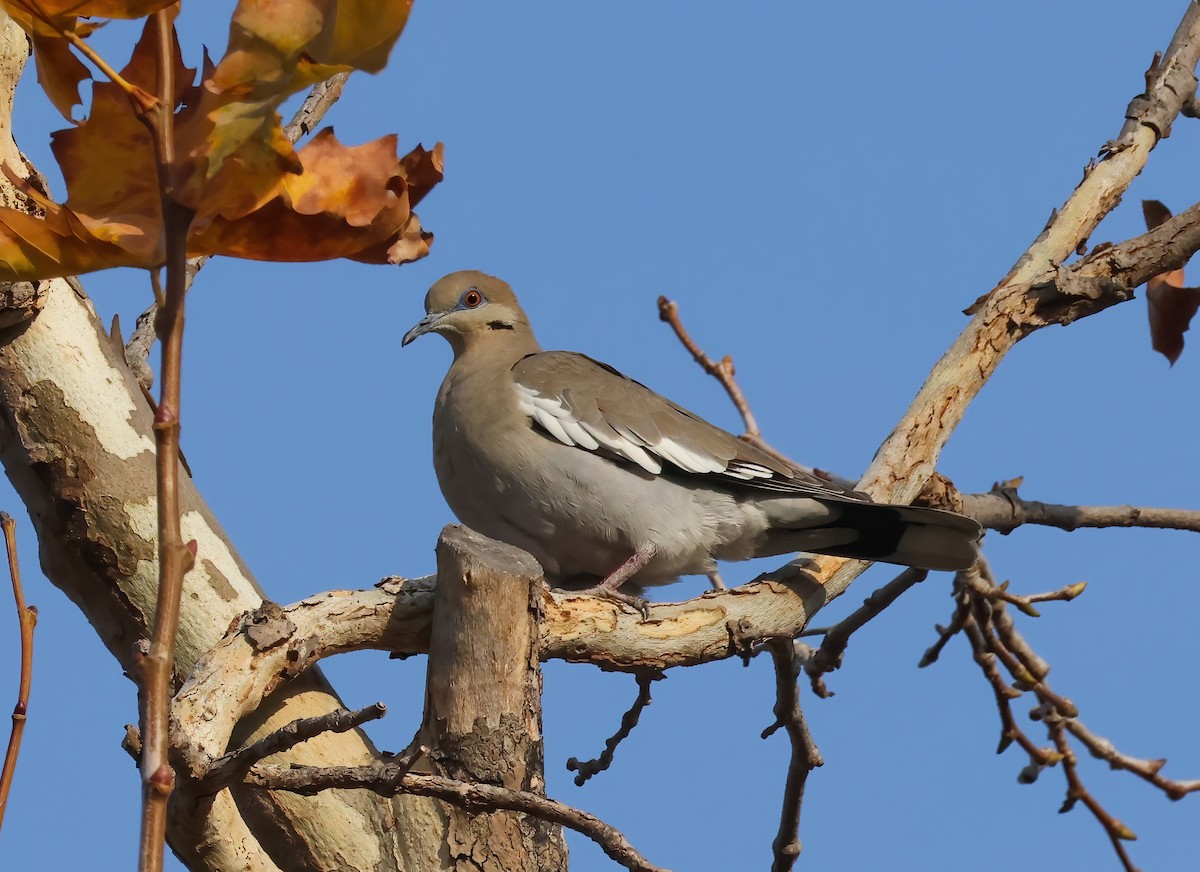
(948, 632)
(174, 557)
(27, 616)
(1149, 770)
(1116, 831)
(391, 779)
(804, 756)
(723, 372)
(833, 648)
(233, 766)
(587, 768)
(319, 101)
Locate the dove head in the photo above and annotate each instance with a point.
(470, 308)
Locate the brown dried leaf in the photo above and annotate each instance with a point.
(1170, 305)
(353, 202)
(253, 196)
(48, 21)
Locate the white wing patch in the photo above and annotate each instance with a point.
(553, 416)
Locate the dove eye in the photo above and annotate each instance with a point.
(471, 298)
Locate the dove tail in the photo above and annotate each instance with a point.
(905, 535)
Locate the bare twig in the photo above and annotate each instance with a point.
(587, 768)
(1024, 602)
(833, 648)
(723, 372)
(993, 637)
(1004, 510)
(27, 617)
(234, 766)
(1116, 831)
(174, 557)
(389, 780)
(1149, 770)
(319, 101)
(948, 632)
(804, 756)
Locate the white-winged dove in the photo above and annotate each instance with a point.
(604, 481)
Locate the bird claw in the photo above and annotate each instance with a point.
(638, 603)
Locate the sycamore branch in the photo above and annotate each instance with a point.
(389, 780)
(27, 620)
(1004, 510)
(996, 644)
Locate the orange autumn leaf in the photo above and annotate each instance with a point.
(276, 49)
(354, 202)
(1170, 305)
(252, 195)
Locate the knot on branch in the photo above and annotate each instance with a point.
(267, 626)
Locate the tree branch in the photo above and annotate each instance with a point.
(587, 768)
(1004, 510)
(27, 618)
(174, 557)
(234, 766)
(994, 640)
(803, 757)
(474, 797)
(833, 647)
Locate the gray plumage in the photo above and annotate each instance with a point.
(590, 471)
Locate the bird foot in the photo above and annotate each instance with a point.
(610, 587)
(638, 603)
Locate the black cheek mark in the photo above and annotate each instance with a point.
(499, 325)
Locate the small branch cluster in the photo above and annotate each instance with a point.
(981, 615)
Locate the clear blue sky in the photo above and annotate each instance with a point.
(822, 187)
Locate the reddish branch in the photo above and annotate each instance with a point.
(27, 616)
(587, 768)
(174, 557)
(804, 756)
(389, 780)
